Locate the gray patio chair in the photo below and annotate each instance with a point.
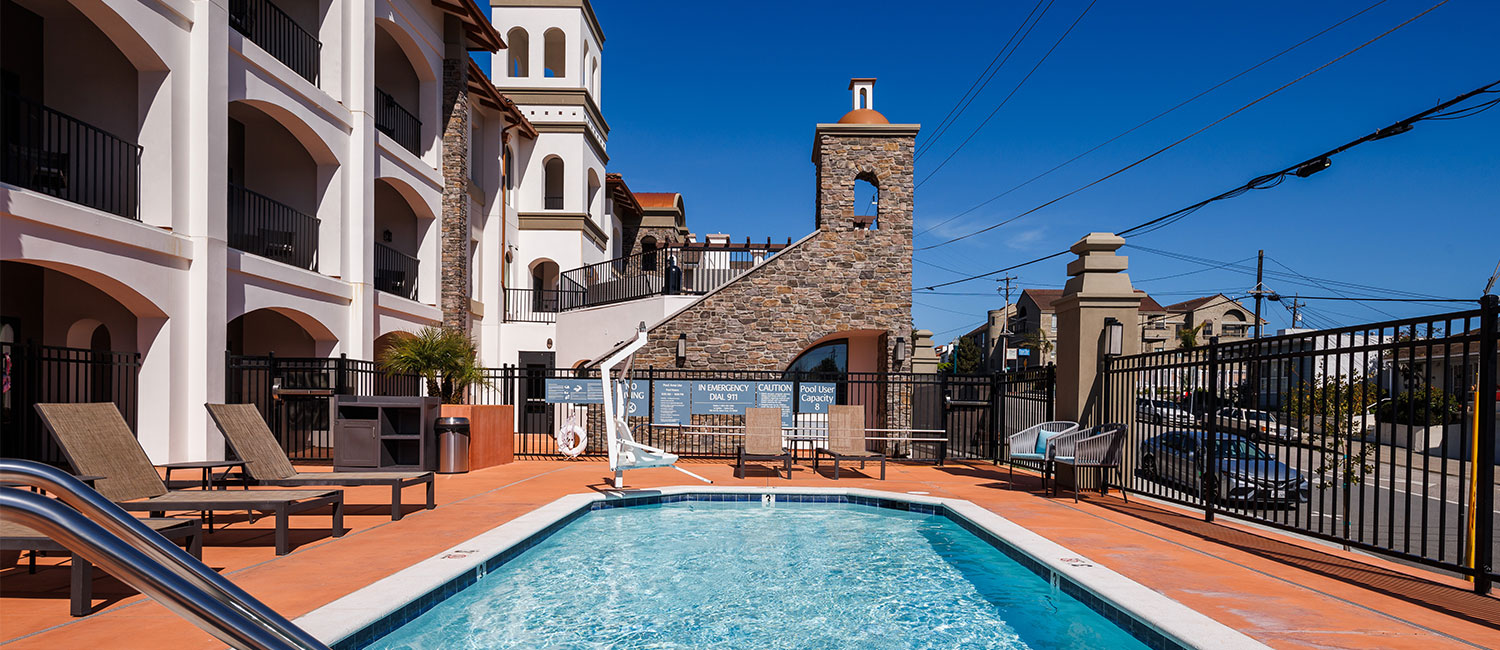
(846, 439)
(96, 441)
(1033, 444)
(267, 464)
(1097, 447)
(15, 537)
(763, 441)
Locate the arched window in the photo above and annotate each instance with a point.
(648, 253)
(554, 53)
(830, 359)
(591, 200)
(519, 53)
(864, 98)
(508, 176)
(866, 201)
(552, 170)
(594, 79)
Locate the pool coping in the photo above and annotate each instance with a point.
(356, 614)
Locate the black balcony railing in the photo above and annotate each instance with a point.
(395, 272)
(553, 203)
(535, 305)
(50, 152)
(268, 26)
(701, 268)
(263, 226)
(396, 122)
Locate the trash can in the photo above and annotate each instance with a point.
(453, 445)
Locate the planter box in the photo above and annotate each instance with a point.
(492, 439)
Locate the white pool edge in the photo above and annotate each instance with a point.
(352, 613)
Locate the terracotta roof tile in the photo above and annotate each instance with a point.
(657, 199)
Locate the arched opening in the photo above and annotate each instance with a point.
(864, 98)
(518, 54)
(274, 188)
(592, 199)
(594, 79)
(552, 177)
(544, 292)
(282, 332)
(399, 235)
(508, 175)
(398, 91)
(1234, 323)
(554, 53)
(66, 137)
(866, 201)
(648, 253)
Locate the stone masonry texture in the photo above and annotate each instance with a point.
(453, 293)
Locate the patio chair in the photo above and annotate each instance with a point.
(267, 464)
(1033, 444)
(1097, 447)
(763, 441)
(846, 439)
(15, 537)
(96, 441)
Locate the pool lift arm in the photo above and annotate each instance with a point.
(624, 452)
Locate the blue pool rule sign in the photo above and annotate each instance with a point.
(726, 397)
(815, 397)
(776, 394)
(672, 402)
(575, 391)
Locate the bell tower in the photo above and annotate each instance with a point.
(863, 145)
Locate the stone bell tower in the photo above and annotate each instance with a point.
(863, 145)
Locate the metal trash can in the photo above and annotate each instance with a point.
(453, 445)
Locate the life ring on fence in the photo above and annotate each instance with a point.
(572, 439)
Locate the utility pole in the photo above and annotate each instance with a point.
(1005, 314)
(1296, 308)
(1260, 289)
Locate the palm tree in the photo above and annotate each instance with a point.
(1187, 337)
(1037, 342)
(444, 358)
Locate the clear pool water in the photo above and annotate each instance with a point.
(737, 575)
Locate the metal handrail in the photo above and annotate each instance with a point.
(131, 551)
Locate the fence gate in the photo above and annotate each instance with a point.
(968, 415)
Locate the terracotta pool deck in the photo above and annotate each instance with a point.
(1285, 592)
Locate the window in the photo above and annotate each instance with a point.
(554, 53)
(829, 359)
(508, 180)
(552, 170)
(648, 253)
(518, 53)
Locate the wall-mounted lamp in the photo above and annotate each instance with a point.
(900, 350)
(385, 236)
(681, 349)
(1114, 337)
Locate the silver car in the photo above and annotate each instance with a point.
(1241, 471)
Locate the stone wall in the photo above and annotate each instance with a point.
(453, 292)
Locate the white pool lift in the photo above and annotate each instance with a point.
(624, 452)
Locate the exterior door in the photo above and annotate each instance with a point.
(536, 414)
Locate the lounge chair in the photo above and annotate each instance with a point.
(1034, 444)
(96, 441)
(267, 464)
(15, 537)
(763, 441)
(846, 439)
(1097, 447)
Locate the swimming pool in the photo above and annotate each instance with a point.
(691, 568)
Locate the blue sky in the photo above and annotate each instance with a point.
(718, 101)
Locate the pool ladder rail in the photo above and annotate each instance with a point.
(103, 533)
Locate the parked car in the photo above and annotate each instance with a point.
(1162, 411)
(1241, 472)
(1253, 424)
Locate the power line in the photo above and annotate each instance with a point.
(1302, 297)
(1194, 134)
(1178, 275)
(951, 311)
(990, 69)
(1158, 116)
(1288, 277)
(1303, 169)
(1379, 311)
(1013, 91)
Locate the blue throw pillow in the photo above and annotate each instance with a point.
(1041, 440)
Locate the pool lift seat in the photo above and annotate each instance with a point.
(624, 452)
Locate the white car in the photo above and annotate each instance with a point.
(1163, 411)
(1253, 424)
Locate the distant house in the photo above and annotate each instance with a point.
(1034, 326)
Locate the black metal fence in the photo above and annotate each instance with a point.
(396, 122)
(263, 226)
(48, 151)
(395, 272)
(691, 269)
(274, 31)
(533, 305)
(1379, 437)
(39, 374)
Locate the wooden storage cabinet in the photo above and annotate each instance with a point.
(394, 433)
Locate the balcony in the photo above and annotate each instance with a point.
(47, 151)
(701, 268)
(263, 226)
(395, 272)
(274, 31)
(534, 305)
(396, 122)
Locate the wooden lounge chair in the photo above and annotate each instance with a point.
(1098, 447)
(846, 439)
(15, 537)
(763, 441)
(1034, 444)
(96, 441)
(267, 464)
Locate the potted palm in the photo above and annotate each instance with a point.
(448, 364)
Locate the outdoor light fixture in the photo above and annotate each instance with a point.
(682, 348)
(1114, 337)
(900, 350)
(1313, 167)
